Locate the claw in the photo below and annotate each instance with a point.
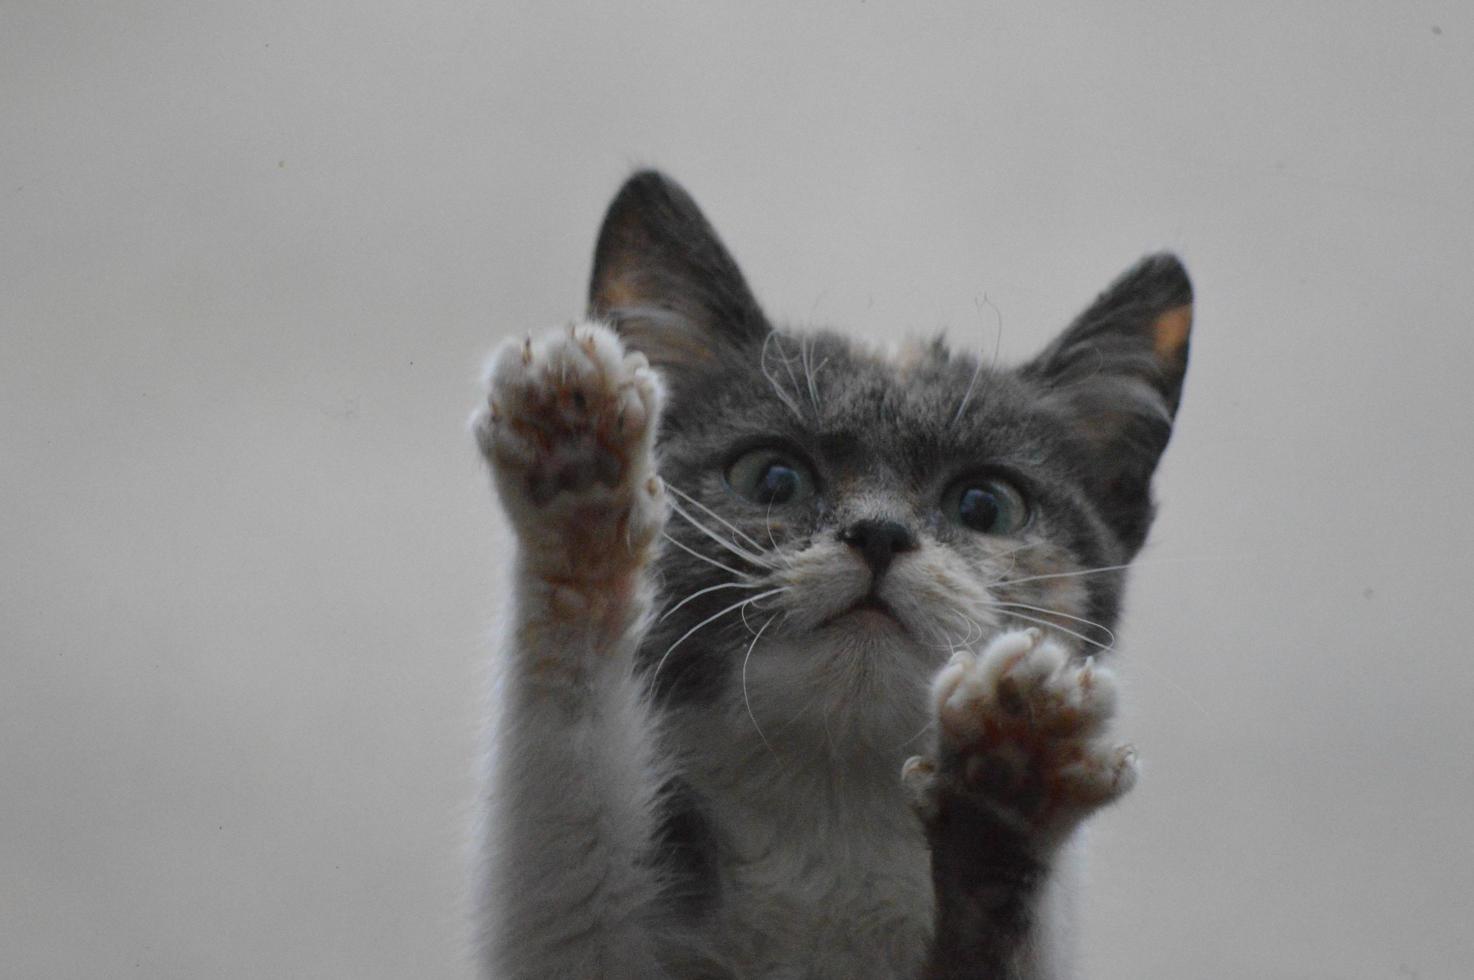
(568, 436)
(1021, 724)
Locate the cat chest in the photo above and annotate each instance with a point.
(821, 905)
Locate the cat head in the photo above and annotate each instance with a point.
(843, 518)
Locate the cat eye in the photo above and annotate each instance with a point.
(770, 475)
(988, 504)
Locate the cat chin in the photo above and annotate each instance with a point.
(840, 690)
(863, 660)
(863, 629)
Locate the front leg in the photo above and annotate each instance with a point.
(568, 428)
(1021, 760)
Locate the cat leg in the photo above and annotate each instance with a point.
(570, 801)
(1022, 758)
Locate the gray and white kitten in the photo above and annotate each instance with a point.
(760, 573)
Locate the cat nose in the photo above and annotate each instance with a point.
(878, 542)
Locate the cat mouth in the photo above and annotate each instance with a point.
(871, 611)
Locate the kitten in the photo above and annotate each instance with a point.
(755, 572)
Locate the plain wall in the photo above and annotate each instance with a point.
(252, 257)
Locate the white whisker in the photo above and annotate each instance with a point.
(1055, 612)
(911, 738)
(1138, 563)
(952, 642)
(1075, 574)
(977, 371)
(1012, 553)
(710, 619)
(696, 554)
(783, 396)
(808, 365)
(745, 699)
(768, 524)
(788, 366)
(1055, 626)
(711, 588)
(972, 626)
(707, 510)
(967, 395)
(742, 553)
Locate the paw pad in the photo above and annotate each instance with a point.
(568, 427)
(1022, 725)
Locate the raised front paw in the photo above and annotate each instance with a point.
(1022, 733)
(569, 427)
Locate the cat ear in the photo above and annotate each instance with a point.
(1116, 373)
(664, 280)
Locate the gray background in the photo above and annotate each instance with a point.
(251, 258)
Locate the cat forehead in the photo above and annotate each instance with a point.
(913, 382)
(915, 396)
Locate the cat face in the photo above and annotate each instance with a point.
(844, 518)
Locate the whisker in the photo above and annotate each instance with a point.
(943, 637)
(967, 395)
(745, 699)
(1055, 626)
(696, 554)
(1012, 556)
(1138, 563)
(701, 592)
(977, 371)
(1012, 553)
(710, 619)
(1055, 612)
(742, 553)
(805, 352)
(783, 396)
(998, 336)
(768, 524)
(718, 517)
(951, 642)
(972, 624)
(1075, 574)
(911, 738)
(1136, 664)
(788, 364)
